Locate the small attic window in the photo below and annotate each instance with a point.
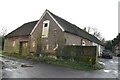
(83, 43)
(46, 24)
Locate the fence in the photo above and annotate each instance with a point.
(87, 54)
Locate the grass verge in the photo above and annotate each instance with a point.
(71, 64)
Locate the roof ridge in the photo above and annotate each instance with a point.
(60, 17)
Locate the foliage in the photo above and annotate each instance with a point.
(70, 64)
(108, 45)
(116, 40)
(0, 43)
(95, 32)
(3, 32)
(12, 54)
(59, 52)
(39, 49)
(61, 62)
(2, 38)
(76, 53)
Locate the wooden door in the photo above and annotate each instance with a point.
(24, 50)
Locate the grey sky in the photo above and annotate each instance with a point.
(102, 14)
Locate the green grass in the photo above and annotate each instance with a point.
(71, 64)
(17, 55)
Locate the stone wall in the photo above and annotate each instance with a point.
(55, 35)
(12, 44)
(72, 39)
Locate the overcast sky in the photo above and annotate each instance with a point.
(101, 14)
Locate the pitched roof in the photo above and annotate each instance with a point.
(71, 28)
(23, 30)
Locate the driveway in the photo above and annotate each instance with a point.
(13, 69)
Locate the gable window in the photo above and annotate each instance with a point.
(33, 44)
(13, 44)
(45, 29)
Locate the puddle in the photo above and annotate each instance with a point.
(114, 62)
(7, 69)
(101, 63)
(116, 72)
(107, 71)
(111, 71)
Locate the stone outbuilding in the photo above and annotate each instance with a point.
(50, 31)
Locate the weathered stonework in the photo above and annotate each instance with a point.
(58, 33)
(12, 44)
(55, 35)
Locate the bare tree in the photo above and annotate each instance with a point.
(3, 33)
(94, 31)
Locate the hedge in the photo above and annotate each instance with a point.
(87, 54)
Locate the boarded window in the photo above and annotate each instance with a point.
(45, 29)
(33, 44)
(13, 44)
(47, 47)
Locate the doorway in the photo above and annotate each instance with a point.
(24, 50)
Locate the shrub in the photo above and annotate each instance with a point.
(66, 53)
(59, 52)
(39, 50)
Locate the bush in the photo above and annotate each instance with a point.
(39, 50)
(59, 52)
(66, 53)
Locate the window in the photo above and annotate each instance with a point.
(47, 47)
(33, 44)
(13, 44)
(46, 24)
(83, 43)
(26, 44)
(45, 29)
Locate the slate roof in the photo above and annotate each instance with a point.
(23, 30)
(71, 28)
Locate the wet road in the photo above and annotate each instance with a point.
(13, 69)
